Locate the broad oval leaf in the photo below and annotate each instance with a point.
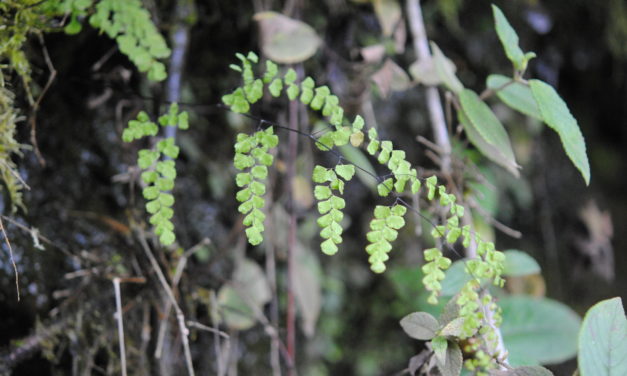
(452, 365)
(236, 313)
(248, 292)
(538, 331)
(423, 71)
(445, 70)
(455, 278)
(603, 340)
(523, 371)
(485, 131)
(453, 328)
(284, 39)
(556, 115)
(518, 263)
(390, 77)
(420, 325)
(516, 95)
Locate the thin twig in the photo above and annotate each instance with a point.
(6, 239)
(180, 41)
(170, 294)
(197, 325)
(180, 266)
(33, 117)
(216, 338)
(118, 314)
(291, 248)
(494, 222)
(275, 355)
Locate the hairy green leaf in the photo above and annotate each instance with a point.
(518, 263)
(486, 132)
(420, 325)
(538, 331)
(509, 39)
(603, 340)
(556, 115)
(446, 70)
(514, 94)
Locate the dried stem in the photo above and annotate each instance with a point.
(434, 104)
(33, 116)
(180, 39)
(291, 250)
(118, 314)
(170, 294)
(216, 338)
(6, 240)
(440, 131)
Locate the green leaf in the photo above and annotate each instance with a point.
(420, 325)
(322, 192)
(290, 76)
(440, 345)
(446, 70)
(538, 331)
(167, 238)
(453, 360)
(271, 71)
(275, 87)
(358, 123)
(342, 136)
(346, 171)
(603, 340)
(557, 116)
(74, 27)
(183, 120)
(486, 132)
(153, 206)
(518, 263)
(455, 278)
(254, 236)
(259, 172)
(373, 147)
(394, 221)
(523, 371)
(385, 187)
(257, 188)
(319, 174)
(150, 193)
(328, 247)
(324, 206)
(453, 328)
(516, 95)
(166, 199)
(509, 39)
(292, 92)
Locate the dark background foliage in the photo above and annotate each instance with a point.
(81, 199)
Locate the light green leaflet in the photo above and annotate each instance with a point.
(516, 95)
(556, 115)
(485, 131)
